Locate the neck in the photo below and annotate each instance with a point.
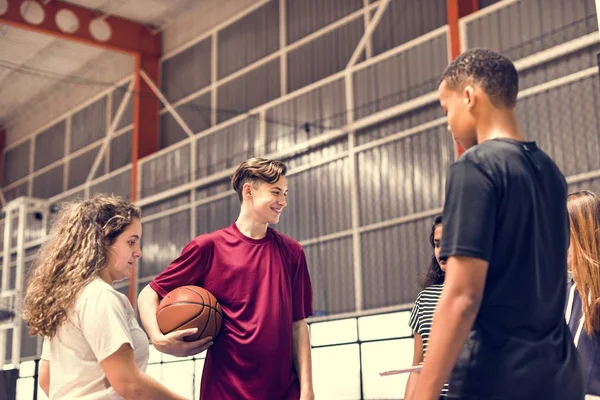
(105, 276)
(501, 123)
(249, 227)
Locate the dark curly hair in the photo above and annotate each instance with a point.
(434, 274)
(495, 73)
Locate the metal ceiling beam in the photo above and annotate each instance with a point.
(127, 36)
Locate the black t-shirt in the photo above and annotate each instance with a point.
(506, 203)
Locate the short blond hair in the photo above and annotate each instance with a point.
(255, 171)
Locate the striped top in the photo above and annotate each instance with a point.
(422, 315)
(588, 346)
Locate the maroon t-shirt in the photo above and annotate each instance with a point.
(263, 286)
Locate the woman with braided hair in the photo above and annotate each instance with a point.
(93, 347)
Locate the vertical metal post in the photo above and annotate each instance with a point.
(367, 18)
(261, 138)
(108, 132)
(213, 78)
(193, 174)
(5, 275)
(282, 46)
(31, 166)
(598, 12)
(20, 273)
(66, 153)
(353, 171)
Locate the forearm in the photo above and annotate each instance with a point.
(44, 376)
(147, 305)
(145, 387)
(302, 356)
(411, 384)
(452, 322)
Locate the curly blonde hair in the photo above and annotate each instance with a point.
(76, 251)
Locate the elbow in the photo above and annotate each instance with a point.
(467, 304)
(44, 376)
(129, 388)
(300, 324)
(44, 382)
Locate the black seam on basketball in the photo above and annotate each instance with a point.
(215, 327)
(191, 319)
(182, 302)
(186, 322)
(192, 290)
(207, 319)
(211, 308)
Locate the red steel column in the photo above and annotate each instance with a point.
(456, 10)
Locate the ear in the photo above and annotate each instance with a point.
(470, 98)
(247, 189)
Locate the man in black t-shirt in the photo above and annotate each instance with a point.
(499, 331)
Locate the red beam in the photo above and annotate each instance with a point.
(145, 139)
(145, 134)
(456, 10)
(127, 36)
(2, 145)
(147, 115)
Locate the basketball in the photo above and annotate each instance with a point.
(190, 307)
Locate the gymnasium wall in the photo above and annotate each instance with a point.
(367, 146)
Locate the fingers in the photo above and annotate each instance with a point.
(179, 335)
(200, 343)
(186, 348)
(198, 346)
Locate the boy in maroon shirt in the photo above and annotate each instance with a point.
(261, 280)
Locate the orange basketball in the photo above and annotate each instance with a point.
(190, 307)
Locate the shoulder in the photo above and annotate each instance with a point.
(430, 293)
(482, 158)
(100, 294)
(490, 151)
(291, 245)
(207, 240)
(96, 288)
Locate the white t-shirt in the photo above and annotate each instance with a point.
(101, 321)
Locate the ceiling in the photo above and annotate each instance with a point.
(36, 69)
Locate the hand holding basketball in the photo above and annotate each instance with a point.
(188, 314)
(173, 343)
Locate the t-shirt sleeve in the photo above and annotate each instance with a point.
(469, 216)
(187, 269)
(104, 323)
(414, 321)
(302, 296)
